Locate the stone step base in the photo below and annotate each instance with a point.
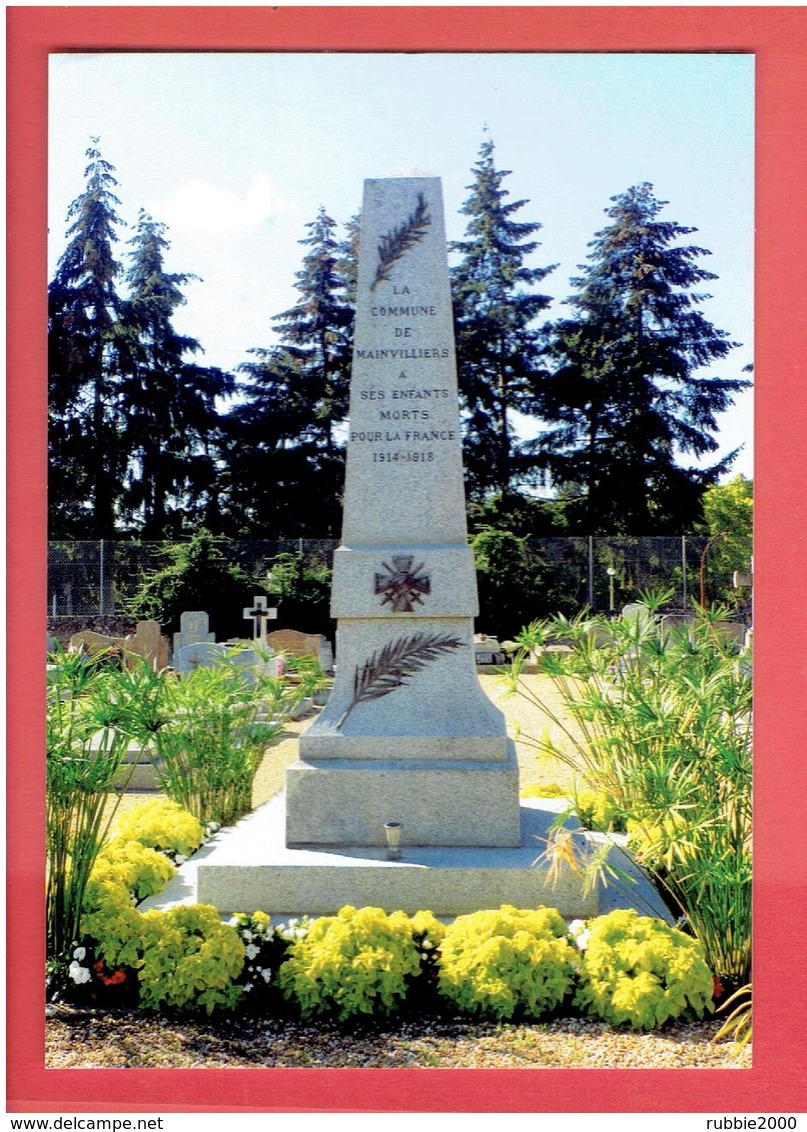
(249, 868)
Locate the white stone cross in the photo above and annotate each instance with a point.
(260, 614)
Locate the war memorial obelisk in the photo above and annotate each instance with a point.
(408, 741)
(408, 735)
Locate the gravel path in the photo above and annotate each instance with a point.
(118, 1039)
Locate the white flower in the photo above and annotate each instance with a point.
(248, 987)
(80, 953)
(78, 973)
(581, 933)
(266, 975)
(252, 951)
(246, 935)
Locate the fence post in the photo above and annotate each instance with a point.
(684, 573)
(101, 581)
(591, 572)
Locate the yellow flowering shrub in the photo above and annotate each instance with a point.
(360, 961)
(184, 956)
(637, 970)
(161, 824)
(507, 962)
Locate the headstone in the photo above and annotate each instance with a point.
(260, 613)
(292, 643)
(87, 640)
(407, 735)
(147, 641)
(326, 658)
(193, 628)
(52, 644)
(488, 650)
(200, 654)
(254, 662)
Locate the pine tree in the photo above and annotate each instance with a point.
(84, 312)
(625, 399)
(171, 411)
(295, 396)
(498, 346)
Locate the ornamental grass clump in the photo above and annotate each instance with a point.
(507, 963)
(358, 962)
(638, 971)
(659, 721)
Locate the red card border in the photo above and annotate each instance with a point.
(778, 38)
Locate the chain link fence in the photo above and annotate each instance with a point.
(98, 579)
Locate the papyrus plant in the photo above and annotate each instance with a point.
(95, 708)
(659, 719)
(214, 727)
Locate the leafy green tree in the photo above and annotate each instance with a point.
(171, 410)
(728, 518)
(287, 462)
(498, 346)
(625, 400)
(506, 580)
(302, 588)
(199, 577)
(86, 454)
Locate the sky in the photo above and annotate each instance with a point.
(236, 153)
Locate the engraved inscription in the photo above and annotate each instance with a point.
(401, 586)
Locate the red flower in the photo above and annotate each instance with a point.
(718, 990)
(113, 980)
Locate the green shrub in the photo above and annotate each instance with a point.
(189, 959)
(507, 962)
(360, 961)
(136, 869)
(161, 824)
(184, 957)
(200, 576)
(638, 971)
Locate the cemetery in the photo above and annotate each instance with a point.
(415, 844)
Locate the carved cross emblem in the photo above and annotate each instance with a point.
(402, 586)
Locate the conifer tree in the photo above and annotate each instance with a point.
(498, 345)
(625, 399)
(171, 403)
(86, 455)
(296, 395)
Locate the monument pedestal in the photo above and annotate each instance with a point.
(437, 802)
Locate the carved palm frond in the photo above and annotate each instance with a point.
(393, 246)
(395, 664)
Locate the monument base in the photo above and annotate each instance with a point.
(448, 802)
(248, 868)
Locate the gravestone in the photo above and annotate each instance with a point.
(194, 627)
(198, 654)
(408, 735)
(259, 614)
(293, 643)
(147, 641)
